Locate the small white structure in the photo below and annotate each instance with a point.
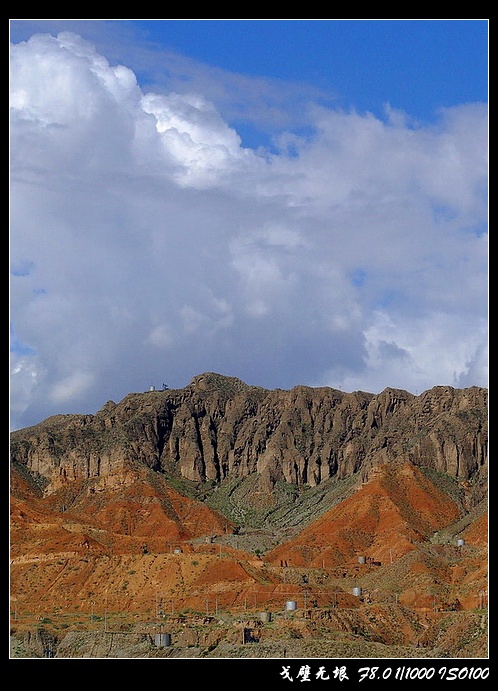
(162, 640)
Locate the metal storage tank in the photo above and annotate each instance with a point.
(265, 616)
(362, 560)
(357, 592)
(162, 640)
(460, 542)
(291, 605)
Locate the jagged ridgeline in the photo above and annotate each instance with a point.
(367, 513)
(218, 430)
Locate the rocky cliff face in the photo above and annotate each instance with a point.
(218, 427)
(222, 497)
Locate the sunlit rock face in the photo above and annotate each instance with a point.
(219, 427)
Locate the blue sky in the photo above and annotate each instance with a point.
(418, 66)
(286, 201)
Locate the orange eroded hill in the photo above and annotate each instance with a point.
(383, 520)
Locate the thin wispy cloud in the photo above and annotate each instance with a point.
(150, 243)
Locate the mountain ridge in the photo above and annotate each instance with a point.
(218, 426)
(236, 497)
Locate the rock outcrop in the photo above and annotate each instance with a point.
(228, 499)
(219, 427)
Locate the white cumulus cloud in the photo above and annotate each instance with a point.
(149, 245)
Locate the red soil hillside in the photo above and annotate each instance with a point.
(209, 509)
(397, 508)
(477, 532)
(139, 512)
